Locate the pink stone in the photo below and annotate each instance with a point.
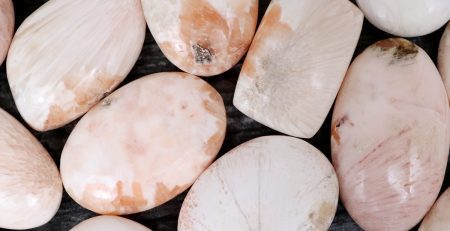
(444, 58)
(68, 54)
(30, 185)
(297, 62)
(6, 27)
(438, 218)
(143, 144)
(202, 37)
(390, 136)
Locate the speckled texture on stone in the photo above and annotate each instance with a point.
(239, 130)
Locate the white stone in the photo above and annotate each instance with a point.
(406, 18)
(297, 62)
(269, 183)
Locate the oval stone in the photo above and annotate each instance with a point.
(268, 183)
(438, 218)
(390, 136)
(30, 185)
(406, 18)
(297, 62)
(6, 27)
(202, 37)
(109, 223)
(144, 144)
(68, 54)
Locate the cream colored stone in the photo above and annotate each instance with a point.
(143, 144)
(6, 27)
(269, 183)
(109, 223)
(68, 54)
(438, 218)
(30, 185)
(297, 62)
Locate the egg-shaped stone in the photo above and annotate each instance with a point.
(407, 18)
(390, 136)
(30, 185)
(6, 27)
(112, 223)
(297, 62)
(202, 37)
(144, 144)
(268, 183)
(69, 54)
(438, 218)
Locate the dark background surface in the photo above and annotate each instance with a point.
(240, 128)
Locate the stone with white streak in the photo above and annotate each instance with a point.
(438, 218)
(6, 27)
(30, 185)
(112, 223)
(269, 183)
(390, 136)
(202, 37)
(143, 144)
(69, 54)
(297, 62)
(406, 18)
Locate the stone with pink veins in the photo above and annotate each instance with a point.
(202, 37)
(143, 144)
(297, 62)
(68, 54)
(6, 27)
(268, 183)
(30, 185)
(112, 223)
(438, 218)
(390, 136)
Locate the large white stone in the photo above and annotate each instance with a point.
(297, 62)
(269, 183)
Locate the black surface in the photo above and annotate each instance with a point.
(240, 128)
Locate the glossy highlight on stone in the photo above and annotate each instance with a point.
(69, 54)
(268, 183)
(30, 185)
(202, 37)
(112, 223)
(438, 218)
(143, 144)
(407, 18)
(390, 136)
(6, 27)
(296, 63)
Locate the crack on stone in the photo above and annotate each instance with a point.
(202, 55)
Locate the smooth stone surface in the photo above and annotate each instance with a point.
(144, 144)
(406, 18)
(297, 62)
(68, 54)
(444, 58)
(104, 223)
(268, 183)
(438, 218)
(202, 37)
(6, 27)
(390, 136)
(30, 185)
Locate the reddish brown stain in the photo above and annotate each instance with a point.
(164, 194)
(132, 203)
(270, 26)
(404, 49)
(335, 129)
(56, 117)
